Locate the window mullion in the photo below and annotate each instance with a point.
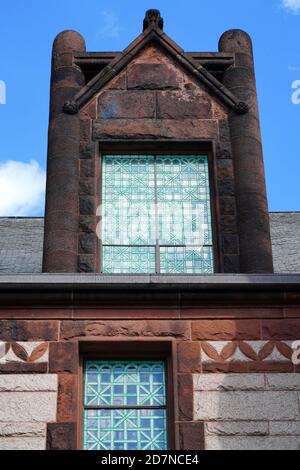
(157, 247)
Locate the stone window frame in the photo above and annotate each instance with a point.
(166, 148)
(128, 349)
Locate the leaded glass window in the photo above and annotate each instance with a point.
(125, 405)
(156, 214)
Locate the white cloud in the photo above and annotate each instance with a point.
(292, 6)
(22, 188)
(110, 25)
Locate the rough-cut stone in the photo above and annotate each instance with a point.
(87, 205)
(285, 232)
(118, 82)
(88, 243)
(229, 382)
(162, 129)
(87, 169)
(88, 223)
(238, 428)
(24, 368)
(225, 330)
(67, 398)
(225, 168)
(152, 77)
(226, 186)
(185, 397)
(78, 329)
(86, 187)
(126, 104)
(281, 329)
(61, 436)
(63, 357)
(30, 406)
(192, 436)
(228, 205)
(28, 383)
(252, 443)
(283, 381)
(21, 443)
(230, 244)
(178, 105)
(22, 430)
(285, 428)
(188, 354)
(254, 406)
(22, 330)
(86, 263)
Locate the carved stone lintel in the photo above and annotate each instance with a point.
(153, 17)
(70, 107)
(242, 108)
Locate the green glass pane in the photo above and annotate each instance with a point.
(184, 214)
(125, 260)
(124, 383)
(187, 260)
(132, 221)
(128, 196)
(125, 430)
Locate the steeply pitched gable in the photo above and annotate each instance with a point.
(154, 35)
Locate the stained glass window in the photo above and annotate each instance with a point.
(125, 405)
(156, 214)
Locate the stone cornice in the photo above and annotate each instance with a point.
(176, 295)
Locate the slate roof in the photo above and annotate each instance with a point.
(21, 243)
(285, 232)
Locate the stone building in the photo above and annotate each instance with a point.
(150, 316)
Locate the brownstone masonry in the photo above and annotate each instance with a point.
(229, 339)
(155, 97)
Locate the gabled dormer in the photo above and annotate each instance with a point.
(155, 159)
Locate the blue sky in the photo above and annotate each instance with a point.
(26, 35)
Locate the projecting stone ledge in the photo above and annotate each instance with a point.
(155, 129)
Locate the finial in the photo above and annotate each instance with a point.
(153, 17)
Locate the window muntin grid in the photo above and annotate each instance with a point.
(151, 204)
(125, 405)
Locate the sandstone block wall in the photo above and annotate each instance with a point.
(235, 385)
(249, 411)
(27, 404)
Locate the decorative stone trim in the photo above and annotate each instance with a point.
(24, 352)
(246, 351)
